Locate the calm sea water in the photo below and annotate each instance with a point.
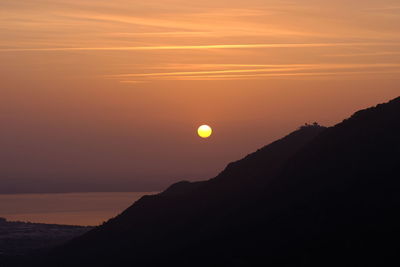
(69, 208)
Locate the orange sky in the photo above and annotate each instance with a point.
(107, 95)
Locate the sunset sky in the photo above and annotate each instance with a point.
(100, 95)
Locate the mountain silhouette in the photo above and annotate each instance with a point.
(317, 197)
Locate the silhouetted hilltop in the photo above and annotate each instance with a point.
(260, 165)
(182, 187)
(317, 197)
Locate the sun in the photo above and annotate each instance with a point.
(204, 131)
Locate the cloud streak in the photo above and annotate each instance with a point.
(272, 71)
(194, 47)
(267, 75)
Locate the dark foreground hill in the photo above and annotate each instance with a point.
(318, 197)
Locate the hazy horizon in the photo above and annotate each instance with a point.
(86, 209)
(107, 95)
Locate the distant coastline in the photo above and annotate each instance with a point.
(18, 238)
(85, 209)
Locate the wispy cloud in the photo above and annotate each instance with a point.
(194, 47)
(205, 72)
(366, 54)
(156, 40)
(271, 71)
(233, 22)
(388, 8)
(269, 75)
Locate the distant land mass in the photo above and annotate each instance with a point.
(317, 197)
(21, 238)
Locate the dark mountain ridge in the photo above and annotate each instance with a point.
(317, 197)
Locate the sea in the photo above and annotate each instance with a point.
(88, 209)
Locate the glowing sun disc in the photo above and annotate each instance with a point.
(204, 131)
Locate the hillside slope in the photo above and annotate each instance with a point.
(319, 197)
